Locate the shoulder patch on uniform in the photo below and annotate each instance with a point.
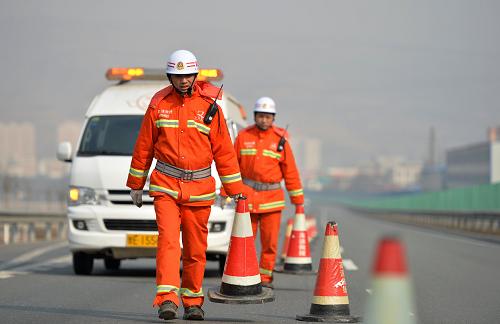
(209, 90)
(280, 132)
(160, 95)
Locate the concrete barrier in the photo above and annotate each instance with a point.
(23, 228)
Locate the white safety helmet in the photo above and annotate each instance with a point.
(182, 62)
(265, 105)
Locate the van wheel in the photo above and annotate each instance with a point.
(111, 263)
(82, 263)
(222, 263)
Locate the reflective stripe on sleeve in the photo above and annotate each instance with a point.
(138, 173)
(172, 193)
(296, 192)
(231, 178)
(266, 272)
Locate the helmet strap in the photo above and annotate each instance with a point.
(189, 91)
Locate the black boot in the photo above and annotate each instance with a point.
(194, 313)
(167, 311)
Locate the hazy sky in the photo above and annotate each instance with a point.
(368, 77)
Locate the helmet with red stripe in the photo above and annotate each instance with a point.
(182, 62)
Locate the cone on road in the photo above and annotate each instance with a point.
(286, 242)
(330, 301)
(241, 282)
(391, 300)
(298, 256)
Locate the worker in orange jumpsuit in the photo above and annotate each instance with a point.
(174, 132)
(265, 159)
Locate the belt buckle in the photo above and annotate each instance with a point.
(187, 175)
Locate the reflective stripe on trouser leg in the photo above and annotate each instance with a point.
(169, 251)
(269, 225)
(194, 240)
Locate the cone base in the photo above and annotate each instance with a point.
(295, 271)
(238, 290)
(328, 318)
(266, 296)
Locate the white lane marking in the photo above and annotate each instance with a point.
(369, 291)
(58, 261)
(350, 265)
(40, 266)
(9, 274)
(32, 254)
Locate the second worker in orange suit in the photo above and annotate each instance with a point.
(174, 132)
(265, 159)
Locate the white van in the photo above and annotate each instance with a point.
(103, 222)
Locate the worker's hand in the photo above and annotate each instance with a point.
(299, 208)
(237, 197)
(136, 197)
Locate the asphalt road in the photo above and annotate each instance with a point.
(455, 280)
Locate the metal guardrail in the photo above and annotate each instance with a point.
(28, 227)
(476, 222)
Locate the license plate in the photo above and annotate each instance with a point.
(142, 240)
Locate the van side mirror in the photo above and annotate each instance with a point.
(64, 152)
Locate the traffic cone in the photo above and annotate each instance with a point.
(391, 301)
(298, 256)
(241, 279)
(330, 301)
(286, 242)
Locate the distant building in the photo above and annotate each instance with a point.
(69, 131)
(308, 155)
(473, 164)
(52, 168)
(18, 147)
(432, 177)
(406, 175)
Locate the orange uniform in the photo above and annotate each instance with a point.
(261, 163)
(173, 132)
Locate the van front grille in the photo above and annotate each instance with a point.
(130, 225)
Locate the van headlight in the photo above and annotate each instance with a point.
(82, 196)
(225, 202)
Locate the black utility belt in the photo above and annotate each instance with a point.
(182, 174)
(262, 186)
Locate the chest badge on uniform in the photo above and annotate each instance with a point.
(200, 114)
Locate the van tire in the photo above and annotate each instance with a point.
(82, 263)
(111, 263)
(222, 263)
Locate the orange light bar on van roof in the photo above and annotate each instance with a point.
(138, 73)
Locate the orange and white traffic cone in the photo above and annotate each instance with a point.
(330, 301)
(391, 300)
(286, 242)
(241, 282)
(298, 256)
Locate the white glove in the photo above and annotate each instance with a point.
(136, 197)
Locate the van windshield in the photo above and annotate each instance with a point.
(110, 135)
